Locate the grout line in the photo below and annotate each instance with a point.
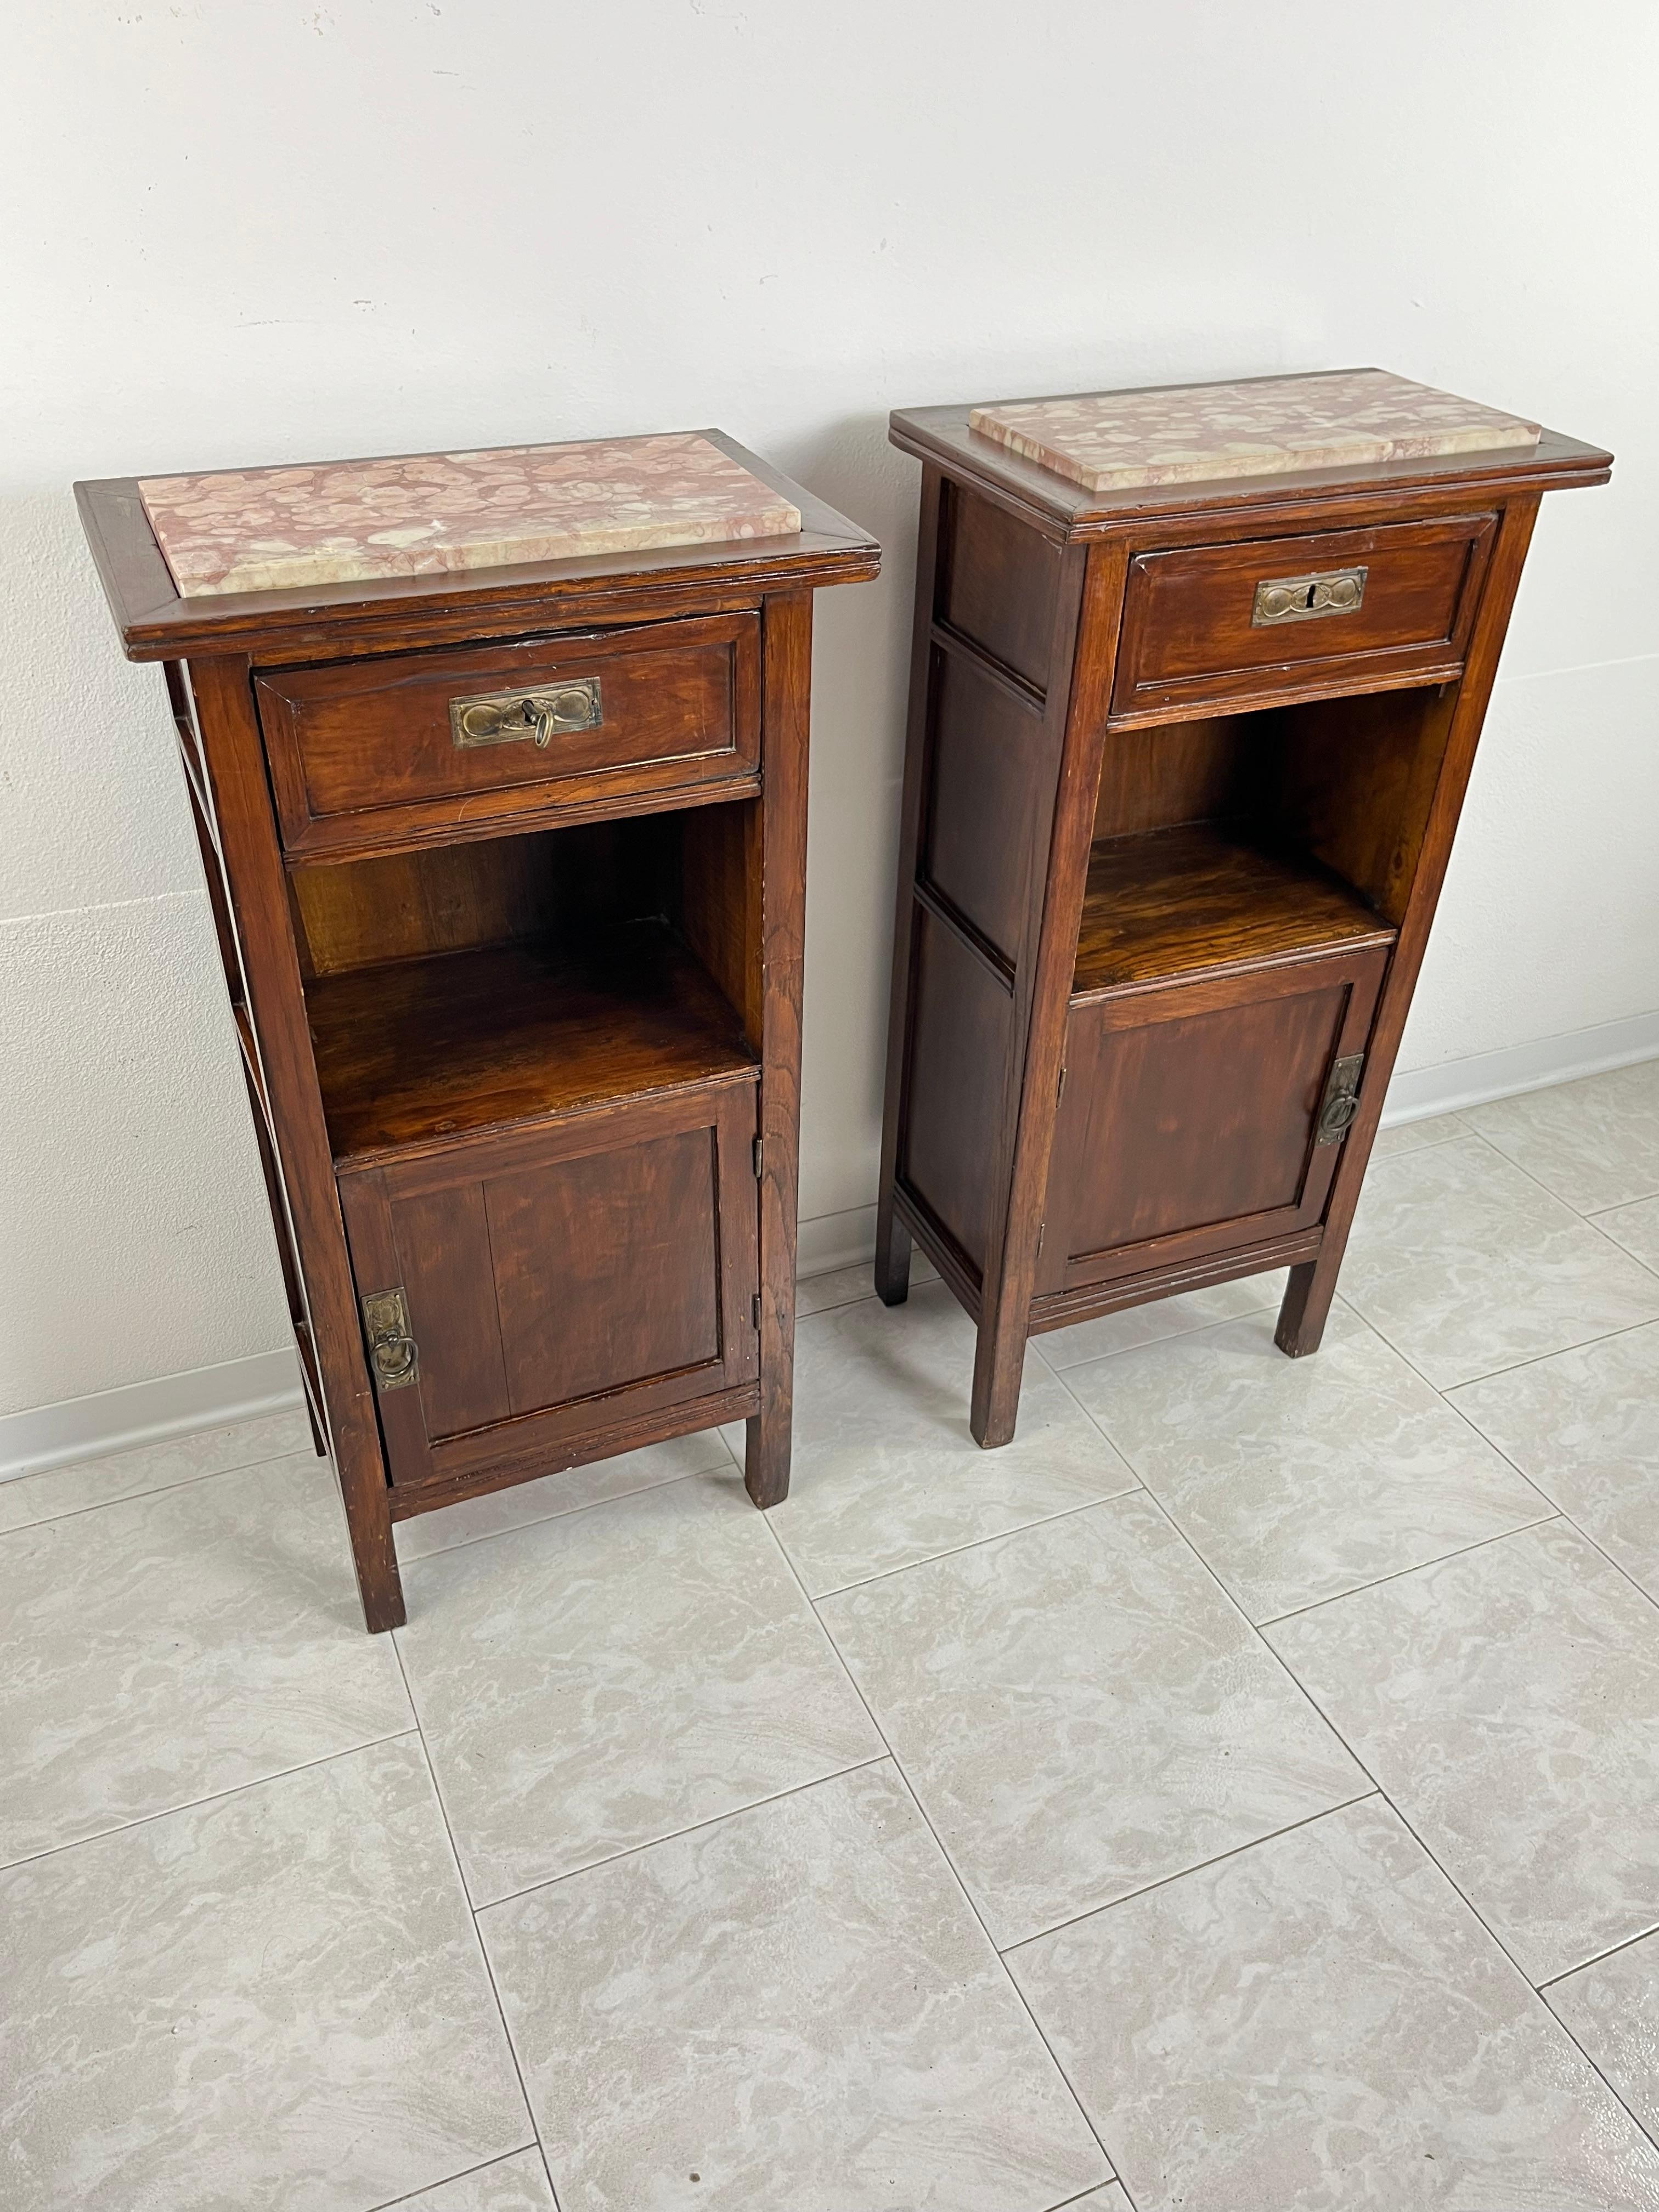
(160, 1490)
(1598, 1959)
(1198, 1866)
(414, 2196)
(1399, 1574)
(673, 1835)
(559, 1513)
(973, 1544)
(1618, 1206)
(472, 1916)
(1538, 1183)
(213, 1797)
(951, 1866)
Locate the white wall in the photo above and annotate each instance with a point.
(265, 232)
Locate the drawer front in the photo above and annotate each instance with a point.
(546, 1286)
(1298, 618)
(370, 754)
(1189, 1123)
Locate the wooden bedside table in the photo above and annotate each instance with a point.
(506, 858)
(1197, 678)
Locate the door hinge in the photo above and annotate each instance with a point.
(1043, 1231)
(760, 1157)
(394, 1355)
(1061, 1093)
(754, 1311)
(1341, 1101)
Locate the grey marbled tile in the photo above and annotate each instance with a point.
(549, 1495)
(1466, 1265)
(1611, 2010)
(1299, 1479)
(885, 1471)
(594, 1683)
(1065, 1348)
(792, 2007)
(1594, 1143)
(844, 1286)
(1508, 1702)
(1108, 2199)
(274, 2000)
(1636, 1228)
(177, 1645)
(1413, 1136)
(1584, 1425)
(1082, 1712)
(27, 1499)
(518, 2183)
(1320, 2024)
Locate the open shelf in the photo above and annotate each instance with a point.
(456, 1042)
(1203, 898)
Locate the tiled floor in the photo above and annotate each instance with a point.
(1240, 1794)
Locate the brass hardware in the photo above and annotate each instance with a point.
(759, 1158)
(1342, 1101)
(503, 717)
(754, 1311)
(1299, 598)
(392, 1352)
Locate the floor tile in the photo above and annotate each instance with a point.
(1413, 1136)
(844, 1286)
(1594, 1143)
(595, 1682)
(885, 1471)
(1299, 1479)
(1636, 1228)
(553, 1494)
(1466, 1265)
(792, 2008)
(1082, 1712)
(506, 2185)
(1320, 2024)
(273, 2000)
(1584, 1425)
(1508, 1702)
(174, 1645)
(27, 1499)
(1108, 2199)
(1065, 1348)
(1611, 2010)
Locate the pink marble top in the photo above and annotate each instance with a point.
(1183, 434)
(275, 530)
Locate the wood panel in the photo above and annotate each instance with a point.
(718, 905)
(1159, 777)
(983, 780)
(997, 585)
(1188, 1122)
(961, 1017)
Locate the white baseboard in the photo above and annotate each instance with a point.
(208, 1397)
(1419, 1092)
(147, 1413)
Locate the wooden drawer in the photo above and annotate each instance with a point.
(595, 1271)
(1231, 625)
(1189, 1123)
(368, 755)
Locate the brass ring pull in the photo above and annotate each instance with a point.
(502, 718)
(394, 1360)
(1339, 1113)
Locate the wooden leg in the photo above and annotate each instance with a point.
(998, 1363)
(1307, 1303)
(893, 1250)
(379, 1585)
(766, 1454)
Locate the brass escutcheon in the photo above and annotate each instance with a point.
(503, 718)
(1299, 598)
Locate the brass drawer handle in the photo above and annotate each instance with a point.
(1299, 598)
(502, 718)
(392, 1352)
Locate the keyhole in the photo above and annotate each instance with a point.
(1311, 593)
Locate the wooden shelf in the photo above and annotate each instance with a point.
(1201, 899)
(424, 1050)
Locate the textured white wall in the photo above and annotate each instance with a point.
(238, 233)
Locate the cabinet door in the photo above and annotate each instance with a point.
(1189, 1120)
(563, 1281)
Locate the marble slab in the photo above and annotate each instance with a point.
(332, 522)
(1268, 426)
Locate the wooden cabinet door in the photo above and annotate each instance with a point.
(564, 1280)
(1189, 1120)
